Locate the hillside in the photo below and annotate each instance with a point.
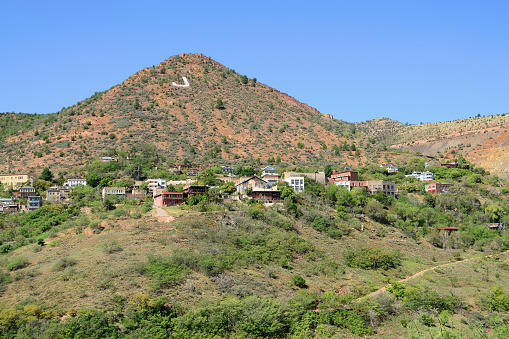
(221, 117)
(482, 140)
(310, 266)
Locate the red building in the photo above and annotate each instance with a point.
(437, 188)
(166, 199)
(344, 176)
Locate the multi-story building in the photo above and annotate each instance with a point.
(16, 180)
(58, 194)
(166, 199)
(422, 176)
(251, 182)
(154, 184)
(26, 191)
(316, 176)
(297, 183)
(34, 202)
(343, 176)
(76, 182)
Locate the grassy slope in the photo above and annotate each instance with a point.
(97, 274)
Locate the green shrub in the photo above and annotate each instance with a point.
(165, 272)
(418, 298)
(63, 263)
(298, 281)
(111, 246)
(371, 257)
(495, 299)
(17, 263)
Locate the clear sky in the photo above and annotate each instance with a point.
(412, 61)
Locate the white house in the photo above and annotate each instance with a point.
(154, 184)
(75, 182)
(297, 183)
(423, 176)
(427, 176)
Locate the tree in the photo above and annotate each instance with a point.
(137, 104)
(244, 79)
(375, 211)
(93, 179)
(494, 211)
(46, 175)
(219, 104)
(328, 171)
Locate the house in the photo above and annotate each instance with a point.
(437, 188)
(271, 179)
(194, 190)
(26, 191)
(297, 183)
(371, 186)
(392, 168)
(166, 199)
(251, 182)
(343, 176)
(158, 191)
(422, 176)
(387, 187)
(266, 195)
(316, 176)
(136, 194)
(118, 191)
(58, 194)
(269, 170)
(227, 169)
(75, 182)
(34, 202)
(426, 176)
(15, 180)
(9, 207)
(154, 184)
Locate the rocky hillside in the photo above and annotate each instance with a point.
(482, 140)
(220, 115)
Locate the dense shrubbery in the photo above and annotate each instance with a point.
(371, 257)
(424, 298)
(23, 229)
(141, 317)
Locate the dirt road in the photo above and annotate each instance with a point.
(162, 215)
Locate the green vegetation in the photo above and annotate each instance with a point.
(370, 257)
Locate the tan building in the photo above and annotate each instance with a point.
(317, 176)
(372, 186)
(251, 182)
(15, 180)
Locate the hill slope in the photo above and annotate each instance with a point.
(482, 140)
(221, 114)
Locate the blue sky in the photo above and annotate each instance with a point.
(412, 61)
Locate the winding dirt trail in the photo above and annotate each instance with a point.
(420, 273)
